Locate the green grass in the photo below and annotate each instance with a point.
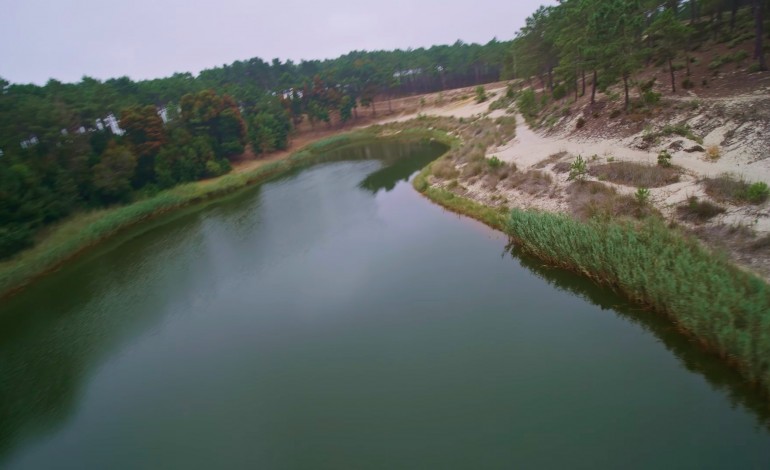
(494, 218)
(83, 231)
(724, 308)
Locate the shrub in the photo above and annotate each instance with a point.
(495, 162)
(580, 123)
(14, 238)
(642, 196)
(510, 91)
(664, 159)
(688, 84)
(615, 113)
(713, 152)
(527, 102)
(698, 211)
(578, 169)
(728, 188)
(481, 94)
(682, 130)
(721, 60)
(758, 193)
(650, 97)
(559, 92)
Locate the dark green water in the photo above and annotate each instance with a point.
(336, 319)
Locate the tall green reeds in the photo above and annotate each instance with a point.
(725, 308)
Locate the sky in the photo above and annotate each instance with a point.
(67, 39)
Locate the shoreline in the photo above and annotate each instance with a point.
(719, 305)
(14, 277)
(81, 234)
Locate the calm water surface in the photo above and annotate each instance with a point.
(336, 319)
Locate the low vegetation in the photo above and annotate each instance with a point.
(725, 308)
(731, 189)
(534, 182)
(481, 94)
(698, 211)
(682, 130)
(590, 200)
(636, 174)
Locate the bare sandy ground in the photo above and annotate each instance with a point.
(747, 157)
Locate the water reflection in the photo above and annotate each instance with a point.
(387, 177)
(56, 334)
(719, 376)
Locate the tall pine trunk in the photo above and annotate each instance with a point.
(673, 78)
(625, 88)
(733, 13)
(583, 92)
(759, 53)
(593, 90)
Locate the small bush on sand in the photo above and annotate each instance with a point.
(758, 193)
(481, 94)
(642, 196)
(713, 152)
(495, 162)
(698, 211)
(664, 159)
(578, 169)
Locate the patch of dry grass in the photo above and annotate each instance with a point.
(713, 152)
(534, 182)
(636, 174)
(731, 189)
(698, 211)
(445, 169)
(553, 160)
(591, 199)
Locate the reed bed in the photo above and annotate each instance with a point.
(724, 308)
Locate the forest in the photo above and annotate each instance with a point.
(68, 147)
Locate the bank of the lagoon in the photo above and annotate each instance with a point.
(726, 309)
(84, 231)
(335, 318)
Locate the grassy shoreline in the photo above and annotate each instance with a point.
(82, 232)
(726, 309)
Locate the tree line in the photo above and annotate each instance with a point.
(603, 42)
(66, 147)
(72, 146)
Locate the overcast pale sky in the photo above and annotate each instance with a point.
(66, 39)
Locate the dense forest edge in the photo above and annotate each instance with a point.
(68, 148)
(71, 148)
(80, 233)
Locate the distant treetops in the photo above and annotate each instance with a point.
(65, 147)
